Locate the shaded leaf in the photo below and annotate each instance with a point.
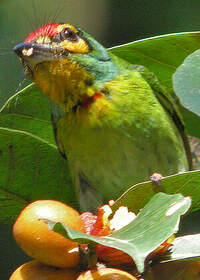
(192, 122)
(190, 224)
(187, 183)
(183, 248)
(155, 223)
(28, 110)
(31, 169)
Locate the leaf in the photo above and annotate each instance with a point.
(155, 223)
(31, 165)
(28, 110)
(192, 122)
(183, 248)
(190, 224)
(161, 54)
(31, 169)
(186, 82)
(186, 183)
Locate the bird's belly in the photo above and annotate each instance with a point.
(114, 159)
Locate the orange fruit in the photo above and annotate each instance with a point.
(35, 270)
(42, 244)
(106, 274)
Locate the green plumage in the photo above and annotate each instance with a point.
(123, 144)
(131, 130)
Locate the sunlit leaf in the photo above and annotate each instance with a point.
(187, 183)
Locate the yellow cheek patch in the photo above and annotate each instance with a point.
(79, 46)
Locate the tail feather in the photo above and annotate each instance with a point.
(89, 198)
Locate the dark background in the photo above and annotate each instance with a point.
(112, 22)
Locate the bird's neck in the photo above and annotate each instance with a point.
(68, 84)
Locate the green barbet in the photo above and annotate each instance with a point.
(113, 121)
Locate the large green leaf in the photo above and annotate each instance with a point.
(28, 110)
(183, 248)
(155, 223)
(186, 82)
(31, 169)
(186, 183)
(161, 54)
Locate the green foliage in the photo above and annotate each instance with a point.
(186, 183)
(31, 167)
(28, 111)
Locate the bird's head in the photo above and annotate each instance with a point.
(64, 60)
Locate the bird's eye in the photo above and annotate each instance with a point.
(68, 34)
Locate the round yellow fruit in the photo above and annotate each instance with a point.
(34, 270)
(106, 274)
(42, 244)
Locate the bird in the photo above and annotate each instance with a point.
(114, 122)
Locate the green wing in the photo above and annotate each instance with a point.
(169, 102)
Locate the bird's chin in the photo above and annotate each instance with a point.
(31, 65)
(28, 68)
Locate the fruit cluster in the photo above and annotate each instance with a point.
(57, 257)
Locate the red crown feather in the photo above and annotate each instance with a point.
(45, 30)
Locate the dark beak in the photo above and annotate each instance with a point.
(19, 49)
(34, 53)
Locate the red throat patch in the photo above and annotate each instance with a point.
(45, 30)
(88, 100)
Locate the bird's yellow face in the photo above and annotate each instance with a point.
(47, 57)
(66, 63)
(58, 36)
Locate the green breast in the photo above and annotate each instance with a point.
(123, 140)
